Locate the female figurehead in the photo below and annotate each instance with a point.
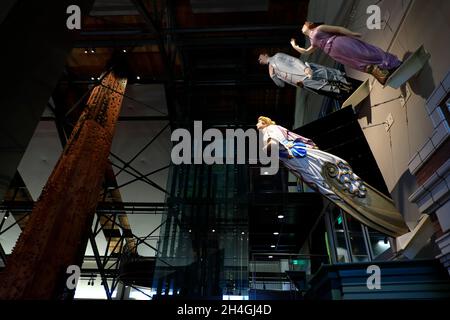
(263, 122)
(334, 178)
(292, 145)
(344, 46)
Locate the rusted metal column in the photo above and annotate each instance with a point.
(57, 232)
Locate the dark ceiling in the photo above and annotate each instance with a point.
(207, 59)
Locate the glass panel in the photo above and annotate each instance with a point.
(359, 250)
(353, 225)
(356, 236)
(203, 248)
(446, 110)
(379, 243)
(342, 253)
(341, 247)
(142, 293)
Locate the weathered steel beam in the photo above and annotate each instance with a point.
(57, 232)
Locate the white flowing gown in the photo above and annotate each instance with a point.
(334, 178)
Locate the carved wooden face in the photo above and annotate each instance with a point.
(304, 29)
(263, 59)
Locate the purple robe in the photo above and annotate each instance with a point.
(352, 52)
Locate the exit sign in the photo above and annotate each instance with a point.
(299, 262)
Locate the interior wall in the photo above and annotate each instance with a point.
(410, 24)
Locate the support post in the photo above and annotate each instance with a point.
(59, 226)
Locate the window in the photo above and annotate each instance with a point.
(445, 107)
(356, 238)
(352, 241)
(379, 243)
(340, 241)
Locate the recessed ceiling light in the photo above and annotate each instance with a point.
(276, 233)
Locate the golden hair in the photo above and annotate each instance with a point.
(266, 120)
(312, 25)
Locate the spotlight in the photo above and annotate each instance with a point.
(270, 257)
(98, 78)
(138, 78)
(213, 230)
(266, 172)
(86, 51)
(6, 216)
(273, 246)
(276, 233)
(190, 230)
(92, 50)
(242, 232)
(280, 216)
(124, 50)
(92, 78)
